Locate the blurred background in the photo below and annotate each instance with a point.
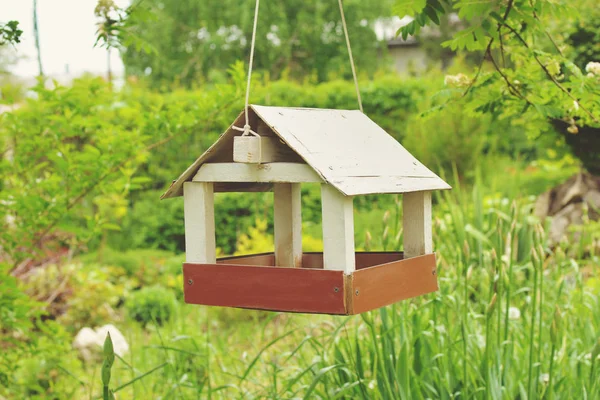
(104, 103)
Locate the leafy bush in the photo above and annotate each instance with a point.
(33, 348)
(78, 295)
(449, 137)
(164, 133)
(73, 153)
(150, 304)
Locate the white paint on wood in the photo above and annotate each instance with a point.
(386, 184)
(273, 172)
(344, 147)
(288, 224)
(416, 221)
(199, 214)
(256, 149)
(338, 230)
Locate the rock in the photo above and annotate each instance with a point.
(565, 204)
(89, 342)
(120, 345)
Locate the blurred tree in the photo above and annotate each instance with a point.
(10, 33)
(197, 40)
(116, 28)
(530, 71)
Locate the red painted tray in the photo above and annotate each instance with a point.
(252, 281)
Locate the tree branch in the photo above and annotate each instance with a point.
(489, 48)
(549, 75)
(89, 189)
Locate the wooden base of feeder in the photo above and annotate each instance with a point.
(380, 279)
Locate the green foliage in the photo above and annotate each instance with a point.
(448, 138)
(117, 26)
(140, 267)
(17, 313)
(195, 40)
(109, 359)
(73, 153)
(79, 296)
(10, 33)
(533, 78)
(424, 12)
(33, 350)
(151, 304)
(583, 37)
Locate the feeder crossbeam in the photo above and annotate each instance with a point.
(273, 172)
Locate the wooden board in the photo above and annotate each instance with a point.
(344, 147)
(252, 282)
(338, 230)
(262, 149)
(314, 260)
(239, 172)
(242, 187)
(199, 222)
(381, 285)
(265, 288)
(288, 224)
(264, 259)
(416, 223)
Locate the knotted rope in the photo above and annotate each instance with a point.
(246, 129)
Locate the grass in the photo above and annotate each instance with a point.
(513, 320)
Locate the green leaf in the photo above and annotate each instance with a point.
(409, 7)
(471, 9)
(432, 14)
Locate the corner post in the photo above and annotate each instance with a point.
(288, 224)
(416, 221)
(338, 230)
(199, 222)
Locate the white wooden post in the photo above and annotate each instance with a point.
(416, 222)
(199, 222)
(338, 230)
(288, 224)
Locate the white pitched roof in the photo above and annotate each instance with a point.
(345, 147)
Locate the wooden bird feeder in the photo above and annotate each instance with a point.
(349, 155)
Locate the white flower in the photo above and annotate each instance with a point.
(545, 378)
(514, 313)
(460, 80)
(575, 105)
(371, 385)
(593, 68)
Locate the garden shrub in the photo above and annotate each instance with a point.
(79, 295)
(150, 304)
(74, 151)
(446, 138)
(32, 347)
(166, 132)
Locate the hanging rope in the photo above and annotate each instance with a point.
(350, 55)
(246, 129)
